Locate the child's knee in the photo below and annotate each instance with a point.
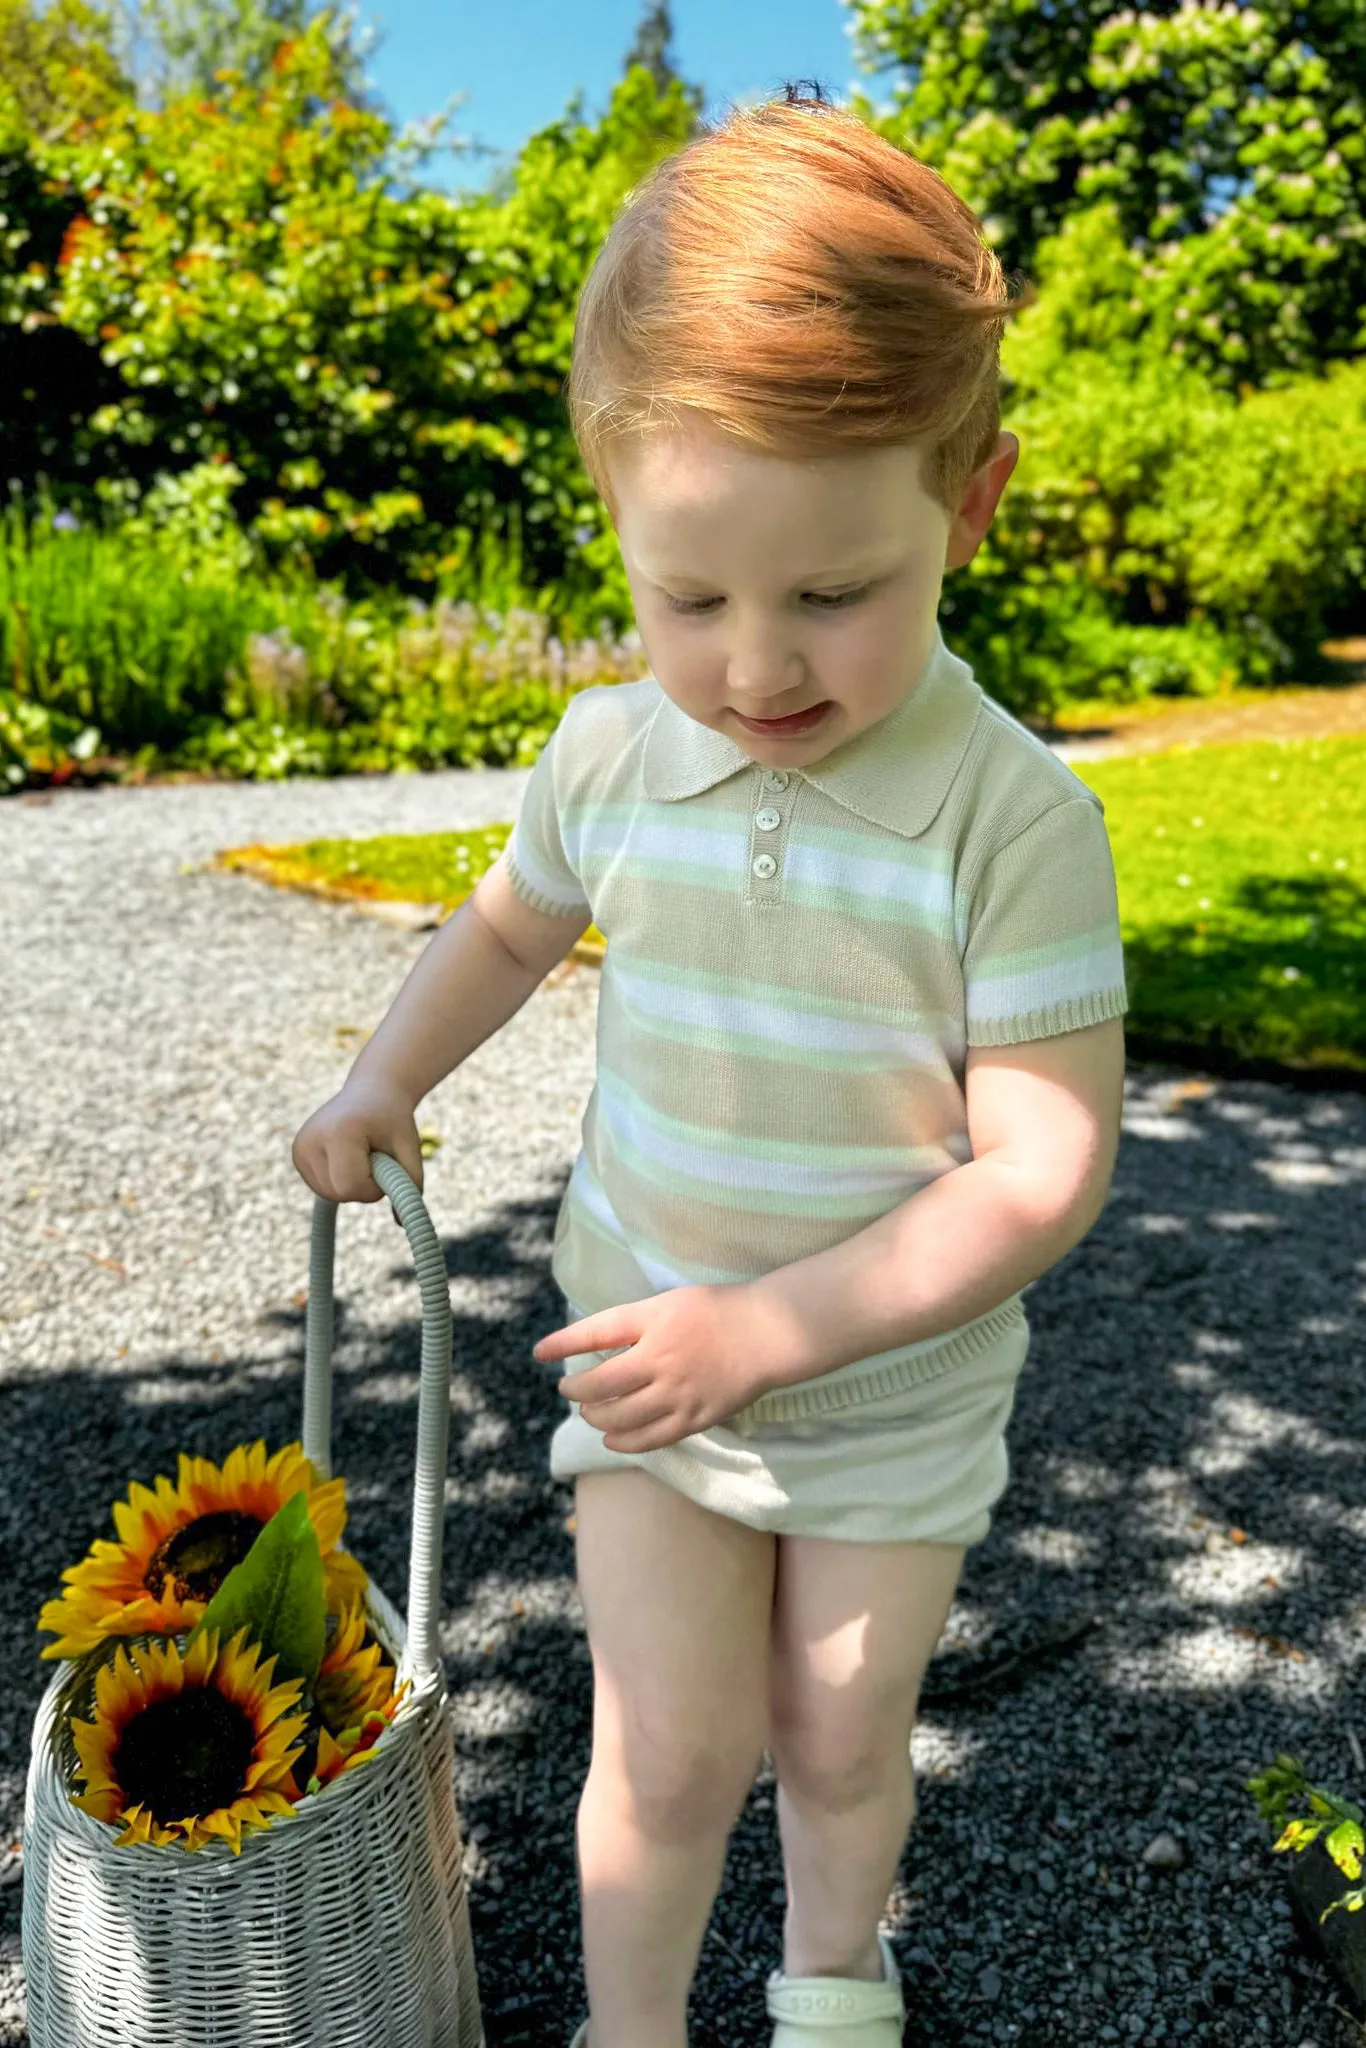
(677, 1602)
(840, 1771)
(675, 1785)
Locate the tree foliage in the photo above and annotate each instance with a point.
(1229, 141)
(1187, 186)
(242, 278)
(384, 369)
(174, 48)
(651, 48)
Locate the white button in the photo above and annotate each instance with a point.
(765, 866)
(768, 821)
(776, 778)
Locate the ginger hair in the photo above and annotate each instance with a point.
(802, 284)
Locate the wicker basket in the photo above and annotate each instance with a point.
(344, 1925)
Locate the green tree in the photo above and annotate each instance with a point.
(55, 67)
(384, 369)
(56, 72)
(1229, 142)
(651, 48)
(178, 47)
(1187, 187)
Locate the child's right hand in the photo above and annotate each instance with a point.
(332, 1150)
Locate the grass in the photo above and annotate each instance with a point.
(429, 867)
(1242, 892)
(423, 867)
(1242, 895)
(1081, 714)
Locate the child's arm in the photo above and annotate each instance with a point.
(1044, 1120)
(1043, 1117)
(487, 958)
(477, 971)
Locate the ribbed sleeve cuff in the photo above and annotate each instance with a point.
(537, 898)
(1073, 1015)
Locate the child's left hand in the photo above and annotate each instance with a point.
(697, 1355)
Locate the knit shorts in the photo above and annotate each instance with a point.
(924, 1465)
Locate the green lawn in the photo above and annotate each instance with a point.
(423, 867)
(1242, 895)
(1242, 891)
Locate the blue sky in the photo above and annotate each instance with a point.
(520, 62)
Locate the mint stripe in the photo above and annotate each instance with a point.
(764, 1022)
(703, 1187)
(589, 1198)
(871, 1164)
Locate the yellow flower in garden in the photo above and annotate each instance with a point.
(189, 1749)
(176, 1546)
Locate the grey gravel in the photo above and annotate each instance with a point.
(1196, 1371)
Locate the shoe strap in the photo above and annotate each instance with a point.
(834, 2001)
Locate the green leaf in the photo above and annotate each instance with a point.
(1274, 1787)
(1344, 1845)
(277, 1593)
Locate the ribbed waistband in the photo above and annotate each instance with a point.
(849, 1386)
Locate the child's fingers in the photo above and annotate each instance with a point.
(597, 1384)
(613, 1330)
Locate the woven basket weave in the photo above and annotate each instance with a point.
(343, 1925)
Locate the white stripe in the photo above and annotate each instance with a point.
(775, 1176)
(827, 867)
(1034, 988)
(546, 885)
(734, 1016)
(589, 837)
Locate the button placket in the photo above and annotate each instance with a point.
(769, 823)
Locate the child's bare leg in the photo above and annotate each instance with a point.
(678, 1604)
(854, 1626)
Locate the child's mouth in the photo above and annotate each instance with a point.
(795, 722)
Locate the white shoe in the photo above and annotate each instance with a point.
(837, 2012)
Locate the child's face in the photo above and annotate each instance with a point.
(758, 549)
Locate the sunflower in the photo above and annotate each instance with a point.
(354, 1700)
(176, 1546)
(353, 1680)
(189, 1749)
(352, 1747)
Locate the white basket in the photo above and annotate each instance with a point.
(344, 1925)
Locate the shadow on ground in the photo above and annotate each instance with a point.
(1196, 1371)
(1280, 975)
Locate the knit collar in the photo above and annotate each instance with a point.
(896, 772)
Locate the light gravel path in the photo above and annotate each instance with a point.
(1196, 1370)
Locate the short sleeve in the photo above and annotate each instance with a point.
(1043, 952)
(534, 857)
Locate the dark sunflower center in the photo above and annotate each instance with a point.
(197, 1558)
(184, 1755)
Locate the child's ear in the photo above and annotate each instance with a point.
(980, 498)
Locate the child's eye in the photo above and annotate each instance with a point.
(824, 600)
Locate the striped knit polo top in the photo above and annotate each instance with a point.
(796, 963)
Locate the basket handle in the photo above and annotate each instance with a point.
(434, 1393)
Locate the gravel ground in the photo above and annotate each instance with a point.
(1196, 1370)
